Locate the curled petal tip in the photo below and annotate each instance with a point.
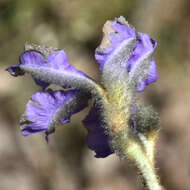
(15, 70)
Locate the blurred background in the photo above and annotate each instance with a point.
(76, 26)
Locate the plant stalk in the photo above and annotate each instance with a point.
(145, 166)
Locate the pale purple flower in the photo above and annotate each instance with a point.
(47, 108)
(119, 33)
(124, 55)
(55, 62)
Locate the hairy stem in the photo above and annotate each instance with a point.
(149, 144)
(145, 166)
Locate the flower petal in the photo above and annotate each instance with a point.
(45, 69)
(151, 77)
(57, 60)
(33, 58)
(117, 36)
(48, 108)
(144, 46)
(97, 139)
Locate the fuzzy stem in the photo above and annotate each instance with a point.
(149, 144)
(145, 166)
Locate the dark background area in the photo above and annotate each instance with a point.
(76, 26)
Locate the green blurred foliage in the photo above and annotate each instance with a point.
(55, 22)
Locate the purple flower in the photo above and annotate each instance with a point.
(116, 34)
(126, 63)
(48, 108)
(45, 109)
(55, 63)
(96, 139)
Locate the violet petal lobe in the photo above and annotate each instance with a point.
(55, 69)
(34, 58)
(144, 46)
(52, 68)
(151, 77)
(48, 108)
(116, 34)
(97, 139)
(56, 61)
